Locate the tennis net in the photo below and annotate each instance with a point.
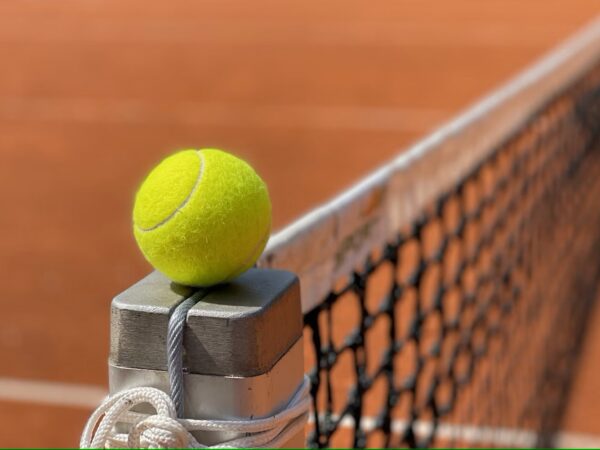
(445, 297)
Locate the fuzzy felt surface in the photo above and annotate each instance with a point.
(167, 188)
(202, 217)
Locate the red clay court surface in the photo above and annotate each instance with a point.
(93, 93)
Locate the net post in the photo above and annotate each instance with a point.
(243, 352)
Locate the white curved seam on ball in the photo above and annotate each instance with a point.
(185, 202)
(248, 258)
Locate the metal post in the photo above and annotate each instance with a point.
(242, 342)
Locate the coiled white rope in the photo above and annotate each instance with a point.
(164, 430)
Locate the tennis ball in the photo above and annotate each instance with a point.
(202, 217)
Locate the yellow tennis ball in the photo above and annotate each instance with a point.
(202, 217)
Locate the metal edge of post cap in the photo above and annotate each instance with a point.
(240, 328)
(254, 321)
(139, 321)
(242, 341)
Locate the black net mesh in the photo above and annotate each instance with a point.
(465, 330)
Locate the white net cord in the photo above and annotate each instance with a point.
(164, 430)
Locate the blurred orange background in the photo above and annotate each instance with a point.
(314, 94)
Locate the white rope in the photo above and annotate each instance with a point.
(164, 430)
